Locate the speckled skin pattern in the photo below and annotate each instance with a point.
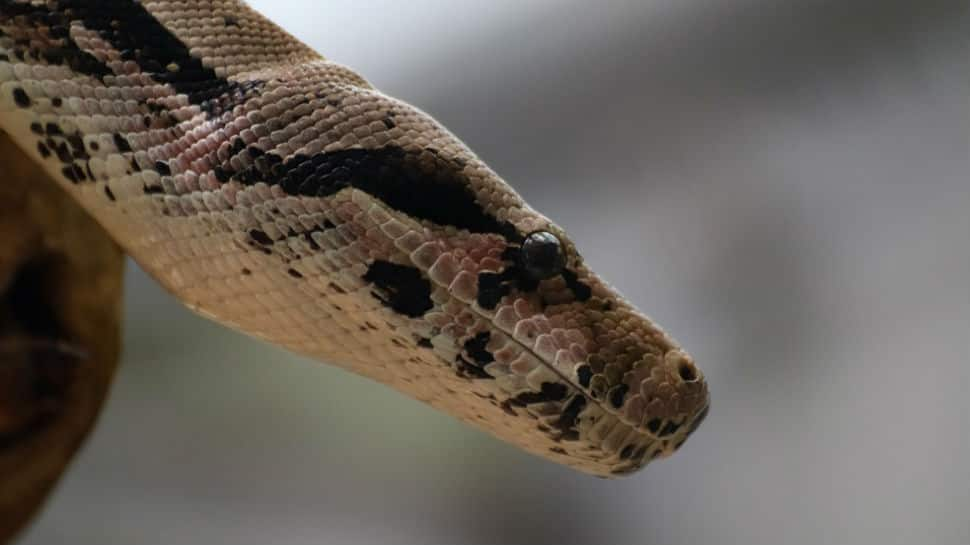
(280, 194)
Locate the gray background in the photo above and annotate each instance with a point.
(785, 186)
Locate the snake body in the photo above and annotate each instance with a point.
(279, 193)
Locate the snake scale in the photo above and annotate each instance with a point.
(279, 193)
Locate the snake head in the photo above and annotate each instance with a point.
(547, 355)
(639, 394)
(514, 309)
(558, 350)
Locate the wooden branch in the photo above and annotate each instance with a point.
(60, 306)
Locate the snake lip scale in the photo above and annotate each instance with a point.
(279, 193)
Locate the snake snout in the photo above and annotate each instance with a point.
(693, 397)
(672, 399)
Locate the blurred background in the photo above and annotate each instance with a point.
(784, 186)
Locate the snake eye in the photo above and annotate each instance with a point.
(542, 255)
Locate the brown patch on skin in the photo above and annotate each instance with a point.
(60, 295)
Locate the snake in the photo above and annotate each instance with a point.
(280, 194)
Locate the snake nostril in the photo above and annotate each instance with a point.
(687, 372)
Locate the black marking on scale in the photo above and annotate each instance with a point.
(419, 183)
(401, 288)
(475, 348)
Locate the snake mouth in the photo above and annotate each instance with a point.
(576, 419)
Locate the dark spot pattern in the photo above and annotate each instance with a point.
(581, 291)
(569, 415)
(528, 398)
(491, 288)
(20, 98)
(221, 174)
(260, 237)
(400, 287)
(63, 153)
(336, 288)
(554, 391)
(549, 391)
(475, 347)
(73, 173)
(617, 394)
(467, 369)
(669, 429)
(121, 143)
(77, 146)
